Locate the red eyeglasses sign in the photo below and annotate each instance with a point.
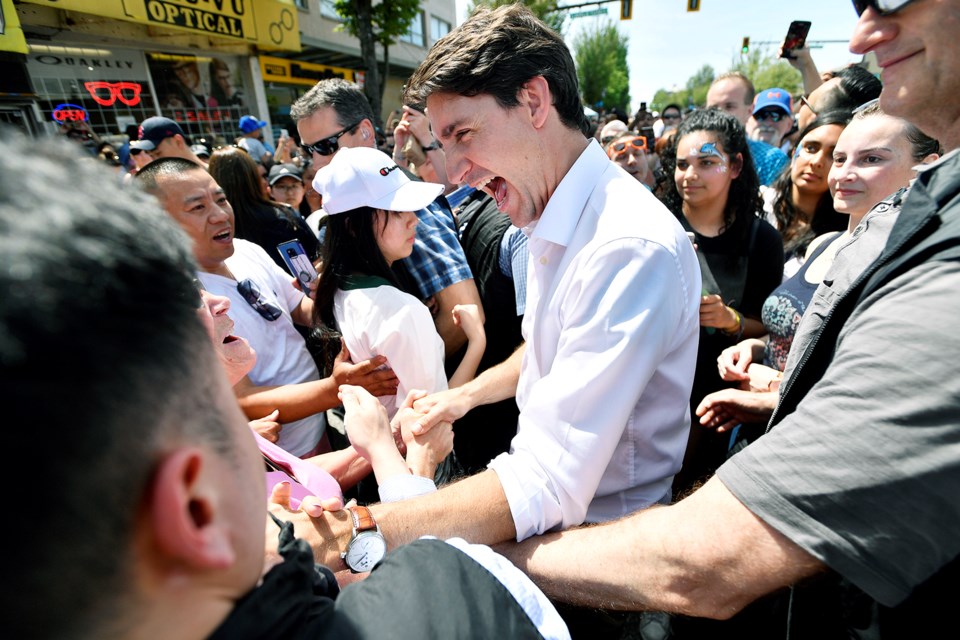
(70, 113)
(106, 94)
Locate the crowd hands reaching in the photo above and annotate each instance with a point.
(392, 397)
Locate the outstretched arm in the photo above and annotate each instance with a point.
(706, 556)
(495, 384)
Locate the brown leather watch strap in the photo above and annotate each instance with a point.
(363, 519)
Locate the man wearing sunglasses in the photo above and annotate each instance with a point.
(264, 306)
(335, 114)
(852, 492)
(772, 116)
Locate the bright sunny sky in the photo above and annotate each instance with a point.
(667, 44)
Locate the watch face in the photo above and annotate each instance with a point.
(365, 551)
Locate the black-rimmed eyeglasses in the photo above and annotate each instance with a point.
(883, 7)
(328, 146)
(251, 293)
(804, 101)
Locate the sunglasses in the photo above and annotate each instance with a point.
(328, 146)
(883, 7)
(772, 114)
(629, 145)
(804, 101)
(670, 116)
(250, 292)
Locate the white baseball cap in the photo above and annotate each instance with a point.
(365, 177)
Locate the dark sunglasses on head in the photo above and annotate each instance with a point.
(328, 146)
(883, 7)
(803, 100)
(770, 114)
(251, 293)
(627, 145)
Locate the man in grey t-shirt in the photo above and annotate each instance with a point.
(857, 478)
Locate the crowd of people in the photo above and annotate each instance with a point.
(505, 372)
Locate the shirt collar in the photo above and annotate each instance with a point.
(562, 213)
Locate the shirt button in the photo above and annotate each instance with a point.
(543, 260)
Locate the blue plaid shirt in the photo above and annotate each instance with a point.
(438, 260)
(514, 257)
(768, 160)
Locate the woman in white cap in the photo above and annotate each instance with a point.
(371, 226)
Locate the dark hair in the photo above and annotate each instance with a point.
(495, 52)
(147, 178)
(236, 173)
(100, 345)
(350, 247)
(743, 198)
(672, 106)
(857, 86)
(345, 98)
(795, 227)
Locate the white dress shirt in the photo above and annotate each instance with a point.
(611, 331)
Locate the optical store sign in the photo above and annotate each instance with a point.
(269, 24)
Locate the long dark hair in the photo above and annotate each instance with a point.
(743, 199)
(350, 247)
(236, 172)
(798, 231)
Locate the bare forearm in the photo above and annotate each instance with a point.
(346, 466)
(704, 556)
(467, 369)
(496, 383)
(753, 328)
(294, 401)
(474, 508)
(463, 292)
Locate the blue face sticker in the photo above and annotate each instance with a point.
(710, 149)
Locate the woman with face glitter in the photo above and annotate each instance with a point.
(715, 195)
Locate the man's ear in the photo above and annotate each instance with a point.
(536, 97)
(366, 130)
(184, 511)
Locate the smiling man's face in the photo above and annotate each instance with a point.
(200, 207)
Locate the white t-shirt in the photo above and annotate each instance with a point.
(282, 356)
(376, 318)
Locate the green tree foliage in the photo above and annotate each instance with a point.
(376, 24)
(601, 56)
(546, 10)
(766, 71)
(760, 65)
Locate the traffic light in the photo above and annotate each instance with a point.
(626, 9)
(746, 45)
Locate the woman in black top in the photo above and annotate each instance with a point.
(715, 195)
(257, 218)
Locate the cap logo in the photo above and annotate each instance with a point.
(140, 132)
(386, 170)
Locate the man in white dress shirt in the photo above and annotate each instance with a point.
(612, 310)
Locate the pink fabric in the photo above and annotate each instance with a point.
(305, 478)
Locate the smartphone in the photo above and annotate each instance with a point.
(647, 132)
(796, 37)
(284, 134)
(298, 263)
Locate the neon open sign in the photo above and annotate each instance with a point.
(69, 113)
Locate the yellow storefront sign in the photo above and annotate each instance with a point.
(296, 72)
(11, 35)
(268, 24)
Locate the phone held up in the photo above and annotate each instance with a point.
(298, 263)
(796, 37)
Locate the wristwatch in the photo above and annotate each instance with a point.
(433, 145)
(367, 546)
